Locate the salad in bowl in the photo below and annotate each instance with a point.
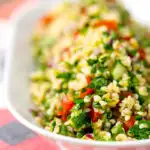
(92, 76)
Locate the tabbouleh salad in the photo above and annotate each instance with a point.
(92, 77)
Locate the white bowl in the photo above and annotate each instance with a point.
(19, 67)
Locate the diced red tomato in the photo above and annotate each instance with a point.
(67, 104)
(88, 79)
(87, 92)
(63, 108)
(142, 54)
(59, 113)
(129, 124)
(46, 20)
(110, 24)
(95, 115)
(76, 34)
(64, 117)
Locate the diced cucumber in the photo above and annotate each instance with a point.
(118, 71)
(117, 129)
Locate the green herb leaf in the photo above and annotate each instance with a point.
(64, 130)
(80, 134)
(62, 90)
(141, 99)
(78, 106)
(83, 119)
(114, 35)
(145, 42)
(84, 29)
(102, 69)
(98, 82)
(78, 101)
(108, 47)
(94, 68)
(106, 34)
(65, 75)
(132, 52)
(43, 67)
(140, 133)
(95, 16)
(138, 117)
(92, 61)
(46, 104)
(96, 105)
(103, 59)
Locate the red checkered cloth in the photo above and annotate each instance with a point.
(15, 136)
(8, 6)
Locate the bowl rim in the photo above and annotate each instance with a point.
(15, 18)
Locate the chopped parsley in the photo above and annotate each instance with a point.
(78, 101)
(108, 46)
(138, 117)
(83, 119)
(139, 132)
(94, 68)
(92, 61)
(64, 130)
(98, 82)
(113, 35)
(65, 75)
(80, 134)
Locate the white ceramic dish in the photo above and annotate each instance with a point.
(19, 67)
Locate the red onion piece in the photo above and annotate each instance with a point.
(89, 136)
